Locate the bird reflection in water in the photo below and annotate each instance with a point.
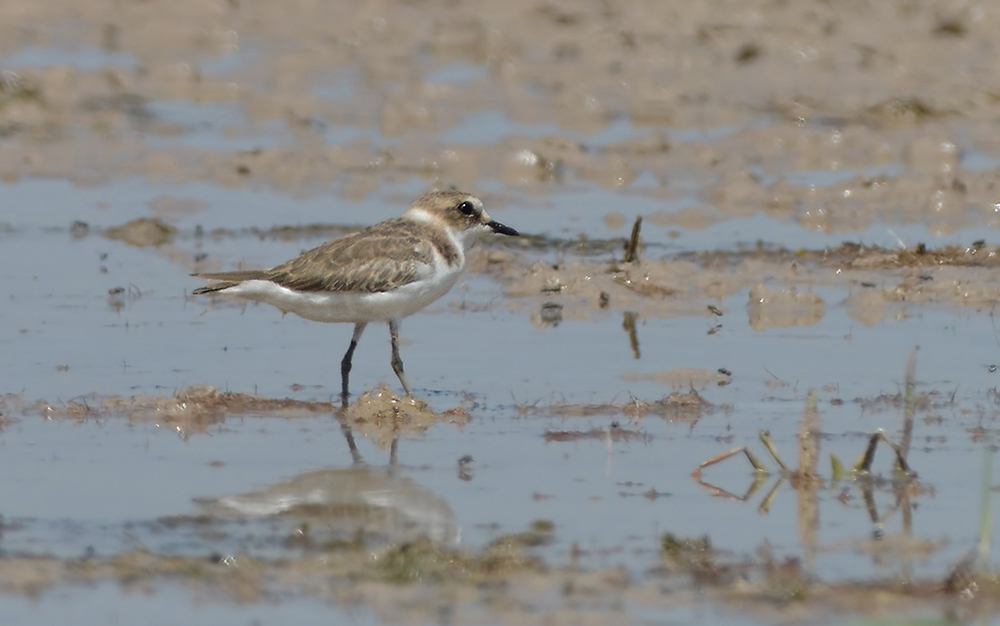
(376, 503)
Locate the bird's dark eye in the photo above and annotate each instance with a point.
(467, 208)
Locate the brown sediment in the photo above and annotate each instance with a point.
(415, 579)
(820, 89)
(383, 416)
(142, 232)
(379, 414)
(875, 279)
(189, 410)
(863, 98)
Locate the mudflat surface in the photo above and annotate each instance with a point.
(819, 188)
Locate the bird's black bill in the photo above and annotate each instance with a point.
(502, 229)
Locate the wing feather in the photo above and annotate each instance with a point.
(379, 258)
(229, 279)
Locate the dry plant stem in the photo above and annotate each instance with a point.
(722, 456)
(632, 247)
(901, 465)
(754, 461)
(805, 477)
(864, 461)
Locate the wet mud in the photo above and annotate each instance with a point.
(739, 219)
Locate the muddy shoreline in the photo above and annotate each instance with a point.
(819, 188)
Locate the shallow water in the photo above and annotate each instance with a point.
(246, 154)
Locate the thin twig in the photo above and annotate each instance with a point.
(632, 247)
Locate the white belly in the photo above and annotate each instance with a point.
(325, 306)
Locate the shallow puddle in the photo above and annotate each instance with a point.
(175, 455)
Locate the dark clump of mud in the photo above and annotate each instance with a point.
(383, 416)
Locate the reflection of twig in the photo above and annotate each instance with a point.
(993, 322)
(759, 479)
(805, 475)
(985, 512)
(805, 480)
(869, 496)
(909, 406)
(809, 437)
(765, 438)
(765, 505)
(903, 500)
(632, 247)
(628, 323)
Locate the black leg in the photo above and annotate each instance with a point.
(397, 363)
(345, 365)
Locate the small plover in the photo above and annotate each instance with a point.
(380, 274)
